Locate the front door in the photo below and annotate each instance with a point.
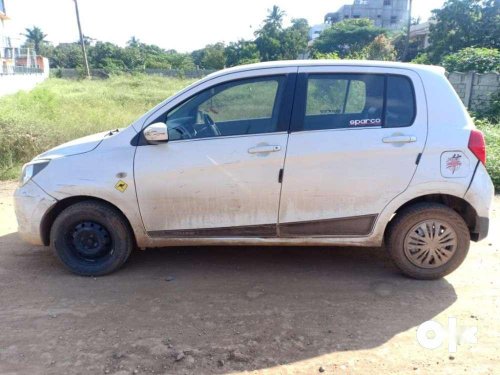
(355, 141)
(217, 176)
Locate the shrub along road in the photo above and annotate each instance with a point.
(226, 310)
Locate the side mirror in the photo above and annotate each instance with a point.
(156, 133)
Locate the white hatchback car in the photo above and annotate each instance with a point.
(288, 153)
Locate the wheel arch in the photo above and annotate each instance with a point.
(60, 206)
(459, 205)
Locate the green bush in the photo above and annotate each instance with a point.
(380, 49)
(492, 112)
(492, 134)
(479, 60)
(422, 58)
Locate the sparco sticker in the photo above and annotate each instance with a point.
(366, 122)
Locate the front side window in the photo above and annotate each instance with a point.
(249, 106)
(336, 101)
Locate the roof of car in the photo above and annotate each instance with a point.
(306, 63)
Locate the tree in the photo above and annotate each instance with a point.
(480, 60)
(464, 23)
(294, 39)
(133, 42)
(214, 56)
(35, 36)
(180, 61)
(403, 54)
(103, 53)
(275, 16)
(380, 49)
(241, 52)
(268, 36)
(197, 57)
(347, 37)
(66, 55)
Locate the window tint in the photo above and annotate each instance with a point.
(235, 108)
(400, 107)
(344, 100)
(336, 101)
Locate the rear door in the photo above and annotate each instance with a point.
(355, 138)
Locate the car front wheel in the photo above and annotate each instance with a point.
(428, 240)
(91, 238)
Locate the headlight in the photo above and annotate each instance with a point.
(31, 169)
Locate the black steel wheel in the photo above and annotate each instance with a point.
(91, 238)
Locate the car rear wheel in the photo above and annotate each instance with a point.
(91, 238)
(428, 240)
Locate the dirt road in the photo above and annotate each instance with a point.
(231, 310)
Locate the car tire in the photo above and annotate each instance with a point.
(428, 241)
(91, 238)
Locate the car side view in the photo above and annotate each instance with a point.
(323, 153)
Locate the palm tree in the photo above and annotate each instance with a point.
(35, 36)
(275, 16)
(133, 42)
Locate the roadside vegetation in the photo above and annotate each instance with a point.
(61, 110)
(463, 37)
(492, 134)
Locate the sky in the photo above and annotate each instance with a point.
(184, 25)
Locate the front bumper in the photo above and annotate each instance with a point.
(31, 203)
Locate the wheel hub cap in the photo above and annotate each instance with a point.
(430, 244)
(91, 240)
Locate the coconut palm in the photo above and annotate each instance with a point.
(275, 16)
(133, 42)
(36, 36)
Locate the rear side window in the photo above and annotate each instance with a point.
(336, 101)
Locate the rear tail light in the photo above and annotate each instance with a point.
(477, 145)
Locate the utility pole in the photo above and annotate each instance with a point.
(407, 41)
(82, 42)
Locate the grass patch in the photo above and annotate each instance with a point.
(59, 110)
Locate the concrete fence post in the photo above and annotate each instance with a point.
(469, 87)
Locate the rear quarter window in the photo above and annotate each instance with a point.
(400, 102)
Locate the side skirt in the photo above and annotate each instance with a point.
(350, 226)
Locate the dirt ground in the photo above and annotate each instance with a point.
(216, 310)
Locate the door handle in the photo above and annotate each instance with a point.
(264, 149)
(400, 139)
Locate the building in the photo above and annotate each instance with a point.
(20, 68)
(389, 14)
(316, 30)
(419, 34)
